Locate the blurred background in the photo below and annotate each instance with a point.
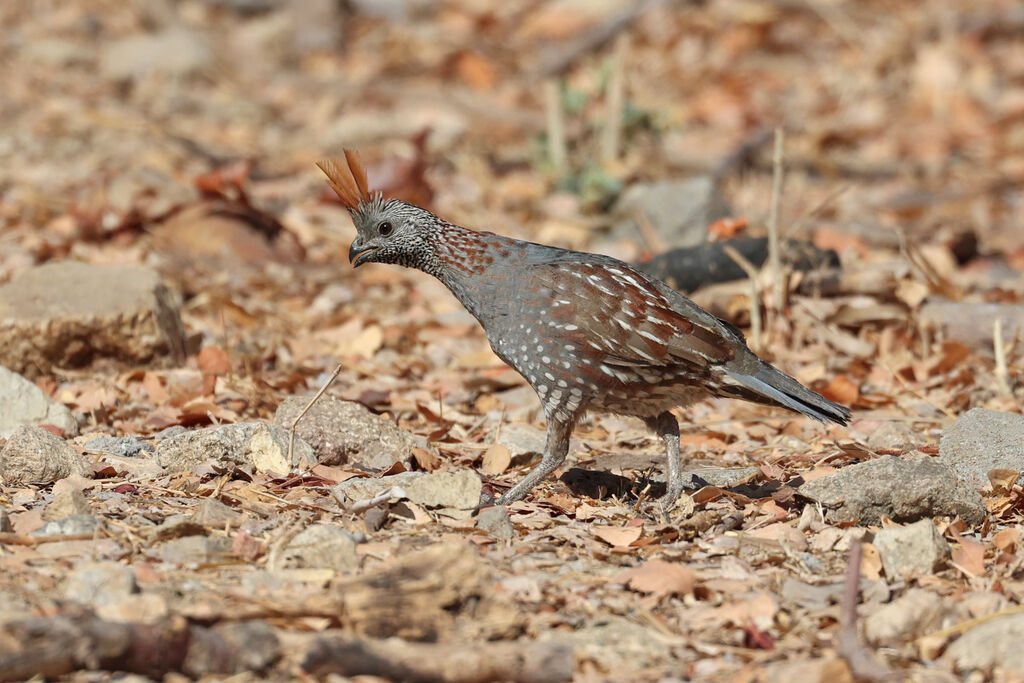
(182, 135)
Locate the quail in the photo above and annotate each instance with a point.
(588, 332)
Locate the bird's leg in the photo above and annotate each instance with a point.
(555, 449)
(667, 428)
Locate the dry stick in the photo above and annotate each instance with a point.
(555, 124)
(611, 136)
(316, 397)
(7, 538)
(650, 236)
(862, 663)
(755, 299)
(774, 257)
(999, 349)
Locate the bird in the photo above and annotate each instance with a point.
(588, 332)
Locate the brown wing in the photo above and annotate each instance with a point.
(619, 313)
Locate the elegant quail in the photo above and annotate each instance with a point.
(588, 332)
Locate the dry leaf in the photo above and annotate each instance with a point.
(496, 459)
(617, 536)
(213, 361)
(1007, 538)
(155, 389)
(871, 562)
(1003, 481)
(970, 556)
(842, 389)
(659, 578)
(427, 461)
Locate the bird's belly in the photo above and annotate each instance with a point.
(641, 400)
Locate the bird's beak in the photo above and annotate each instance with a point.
(359, 253)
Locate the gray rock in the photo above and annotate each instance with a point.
(70, 526)
(972, 322)
(347, 432)
(614, 641)
(176, 51)
(99, 583)
(23, 403)
(913, 614)
(994, 644)
(496, 522)
(35, 455)
(722, 477)
(65, 314)
(679, 211)
(192, 550)
(5, 522)
(903, 489)
(899, 435)
(912, 550)
(68, 499)
(122, 446)
(982, 440)
(526, 442)
(261, 446)
(453, 494)
(362, 488)
(323, 546)
(213, 513)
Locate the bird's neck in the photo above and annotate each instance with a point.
(463, 259)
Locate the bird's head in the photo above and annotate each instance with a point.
(387, 230)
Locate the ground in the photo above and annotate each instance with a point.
(180, 137)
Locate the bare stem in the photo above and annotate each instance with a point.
(774, 257)
(756, 325)
(556, 125)
(316, 397)
(611, 136)
(999, 350)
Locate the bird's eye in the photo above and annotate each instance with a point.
(385, 228)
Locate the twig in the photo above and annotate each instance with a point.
(7, 538)
(862, 663)
(385, 496)
(650, 236)
(999, 349)
(774, 257)
(555, 125)
(964, 626)
(611, 136)
(316, 397)
(755, 298)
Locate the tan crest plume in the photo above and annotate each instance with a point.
(347, 177)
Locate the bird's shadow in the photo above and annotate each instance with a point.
(601, 485)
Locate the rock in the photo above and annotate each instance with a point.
(912, 550)
(65, 314)
(612, 642)
(123, 446)
(453, 494)
(99, 583)
(996, 644)
(323, 546)
(913, 614)
(193, 550)
(23, 403)
(362, 488)
(35, 455)
(903, 489)
(496, 522)
(68, 499)
(177, 51)
(898, 435)
(347, 432)
(138, 608)
(5, 522)
(982, 440)
(526, 442)
(261, 446)
(212, 513)
(972, 322)
(679, 211)
(722, 477)
(70, 526)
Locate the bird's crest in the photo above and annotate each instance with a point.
(347, 177)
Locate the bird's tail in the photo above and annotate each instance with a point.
(767, 384)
